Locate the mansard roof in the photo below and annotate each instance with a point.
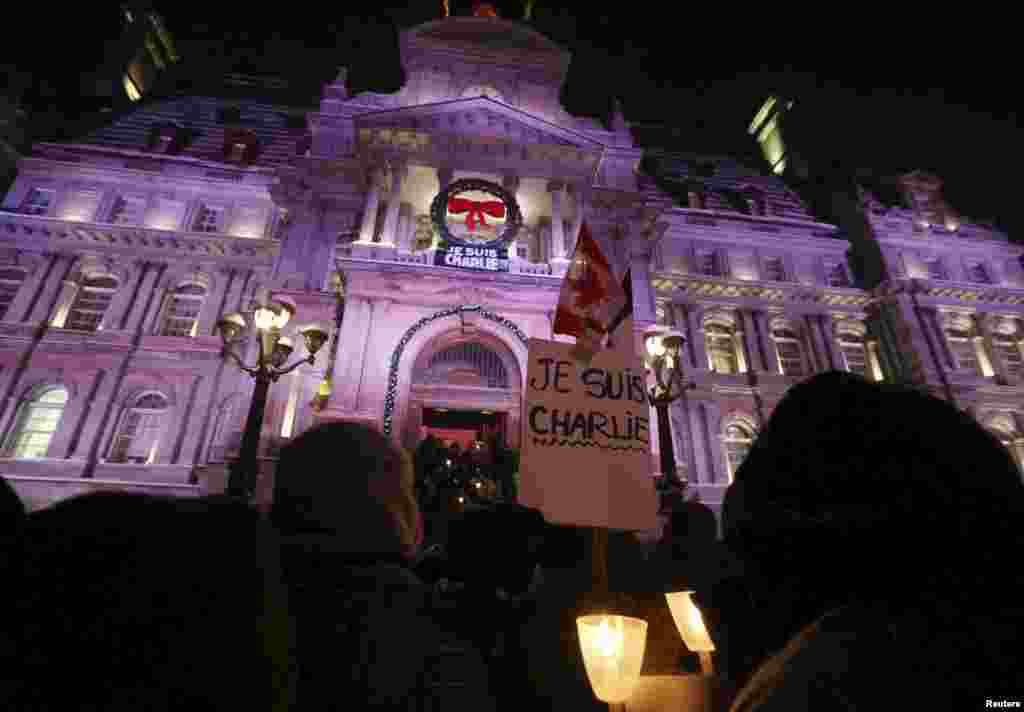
(720, 176)
(278, 128)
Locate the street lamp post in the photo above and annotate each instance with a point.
(663, 355)
(268, 318)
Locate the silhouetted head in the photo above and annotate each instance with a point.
(151, 603)
(348, 480)
(12, 510)
(857, 488)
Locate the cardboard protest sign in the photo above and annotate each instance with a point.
(586, 457)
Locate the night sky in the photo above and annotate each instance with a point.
(884, 93)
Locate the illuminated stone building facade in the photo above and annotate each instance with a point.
(120, 251)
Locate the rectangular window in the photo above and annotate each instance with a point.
(790, 357)
(91, 303)
(962, 347)
(721, 350)
(38, 202)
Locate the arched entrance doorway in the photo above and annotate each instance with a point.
(464, 384)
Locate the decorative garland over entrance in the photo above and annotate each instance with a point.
(396, 356)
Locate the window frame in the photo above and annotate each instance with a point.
(153, 429)
(726, 440)
(176, 295)
(718, 331)
(793, 336)
(30, 206)
(85, 288)
(34, 400)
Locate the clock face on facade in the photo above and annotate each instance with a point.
(476, 213)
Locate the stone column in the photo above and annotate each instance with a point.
(756, 350)
(982, 347)
(696, 337)
(771, 357)
(643, 293)
(352, 344)
(389, 236)
(556, 188)
(740, 344)
(815, 345)
(44, 307)
(29, 289)
(828, 341)
(115, 314)
(404, 234)
(579, 194)
(933, 320)
(209, 312)
(366, 230)
(150, 274)
(510, 183)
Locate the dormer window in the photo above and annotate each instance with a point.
(166, 139)
(38, 202)
(209, 218)
(240, 146)
(976, 272)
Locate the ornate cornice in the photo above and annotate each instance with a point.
(701, 287)
(68, 235)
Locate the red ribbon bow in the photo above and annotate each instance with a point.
(477, 210)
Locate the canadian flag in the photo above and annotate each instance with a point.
(592, 302)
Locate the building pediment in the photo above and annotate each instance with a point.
(479, 117)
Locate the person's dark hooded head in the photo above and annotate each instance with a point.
(876, 489)
(349, 481)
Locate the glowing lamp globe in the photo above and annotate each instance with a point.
(613, 654)
(263, 317)
(284, 310)
(231, 327)
(689, 622)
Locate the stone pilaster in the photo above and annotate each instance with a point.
(558, 253)
(29, 289)
(371, 207)
(389, 236)
(47, 302)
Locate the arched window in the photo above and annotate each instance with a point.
(1006, 342)
(721, 346)
(789, 350)
(91, 302)
(181, 315)
(960, 334)
(139, 435)
(36, 423)
(10, 282)
(1004, 427)
(737, 439)
(853, 347)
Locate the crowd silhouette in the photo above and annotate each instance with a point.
(870, 560)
